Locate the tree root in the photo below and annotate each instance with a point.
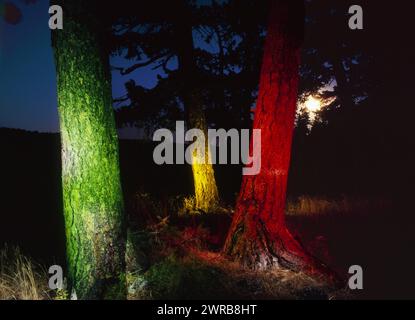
(257, 249)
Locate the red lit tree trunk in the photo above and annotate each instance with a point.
(258, 237)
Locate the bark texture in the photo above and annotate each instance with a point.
(92, 195)
(258, 236)
(206, 191)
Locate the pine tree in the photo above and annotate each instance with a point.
(92, 195)
(258, 236)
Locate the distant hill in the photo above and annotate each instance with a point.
(30, 203)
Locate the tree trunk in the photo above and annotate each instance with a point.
(92, 195)
(258, 236)
(206, 191)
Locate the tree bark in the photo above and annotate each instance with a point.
(92, 195)
(258, 236)
(206, 191)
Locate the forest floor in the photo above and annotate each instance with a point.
(178, 256)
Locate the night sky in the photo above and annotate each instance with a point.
(27, 73)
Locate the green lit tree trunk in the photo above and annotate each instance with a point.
(92, 195)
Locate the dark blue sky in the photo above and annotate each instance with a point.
(27, 74)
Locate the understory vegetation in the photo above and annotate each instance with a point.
(21, 278)
(175, 253)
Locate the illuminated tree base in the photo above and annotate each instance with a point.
(254, 247)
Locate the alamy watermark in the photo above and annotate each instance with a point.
(56, 18)
(355, 20)
(172, 148)
(356, 280)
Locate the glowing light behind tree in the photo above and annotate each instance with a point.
(312, 104)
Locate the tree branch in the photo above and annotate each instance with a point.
(142, 64)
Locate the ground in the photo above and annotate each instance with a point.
(178, 256)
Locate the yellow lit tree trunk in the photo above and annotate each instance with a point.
(206, 191)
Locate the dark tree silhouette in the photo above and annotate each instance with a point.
(341, 155)
(183, 85)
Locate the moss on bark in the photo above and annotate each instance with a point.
(92, 195)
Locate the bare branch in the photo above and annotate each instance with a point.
(142, 64)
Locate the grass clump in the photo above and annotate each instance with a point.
(183, 278)
(315, 206)
(21, 278)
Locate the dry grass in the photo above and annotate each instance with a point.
(279, 284)
(207, 275)
(194, 271)
(21, 278)
(312, 206)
